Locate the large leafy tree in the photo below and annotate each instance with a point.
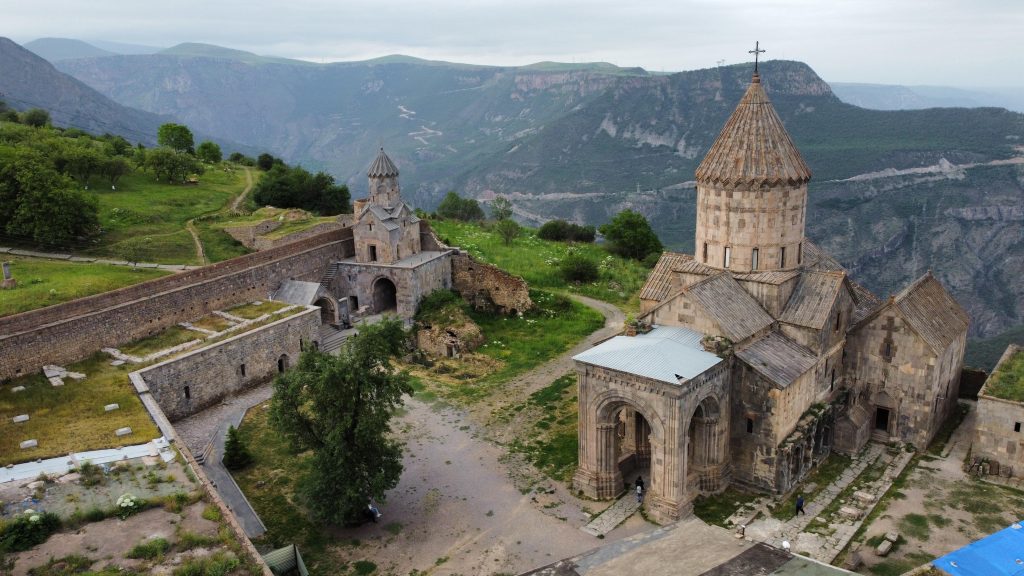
(39, 203)
(209, 152)
(630, 235)
(458, 208)
(340, 408)
(176, 136)
(171, 165)
(286, 187)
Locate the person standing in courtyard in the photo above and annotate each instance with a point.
(800, 504)
(639, 488)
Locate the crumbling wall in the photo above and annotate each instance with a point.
(486, 286)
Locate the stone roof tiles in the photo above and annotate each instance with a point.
(932, 312)
(730, 306)
(660, 282)
(777, 358)
(813, 299)
(754, 148)
(382, 167)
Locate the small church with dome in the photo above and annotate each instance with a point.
(754, 358)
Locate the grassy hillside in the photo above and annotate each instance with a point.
(537, 261)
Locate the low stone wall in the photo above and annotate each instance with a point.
(484, 285)
(248, 233)
(68, 332)
(187, 384)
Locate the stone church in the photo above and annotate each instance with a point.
(755, 357)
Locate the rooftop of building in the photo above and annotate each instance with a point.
(1007, 380)
(666, 353)
(413, 261)
(382, 167)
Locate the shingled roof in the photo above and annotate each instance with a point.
(730, 306)
(382, 167)
(932, 312)
(813, 299)
(659, 283)
(777, 358)
(754, 148)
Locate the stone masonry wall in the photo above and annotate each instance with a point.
(70, 331)
(999, 426)
(185, 385)
(477, 281)
(261, 243)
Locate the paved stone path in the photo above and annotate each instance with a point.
(613, 516)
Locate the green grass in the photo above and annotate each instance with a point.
(70, 418)
(149, 549)
(162, 340)
(253, 311)
(48, 282)
(144, 208)
(915, 526)
(218, 245)
(271, 484)
(552, 445)
(1007, 382)
(212, 322)
(293, 226)
(822, 476)
(896, 567)
(717, 508)
(537, 261)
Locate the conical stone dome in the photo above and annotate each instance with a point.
(754, 150)
(382, 167)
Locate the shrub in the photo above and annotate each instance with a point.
(127, 505)
(217, 565)
(562, 231)
(28, 530)
(236, 455)
(212, 513)
(576, 267)
(458, 208)
(149, 549)
(436, 301)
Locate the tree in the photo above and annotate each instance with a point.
(630, 235)
(208, 152)
(81, 162)
(501, 208)
(170, 164)
(286, 187)
(36, 117)
(133, 250)
(265, 161)
(560, 230)
(139, 157)
(236, 455)
(114, 168)
(508, 230)
(176, 137)
(456, 207)
(576, 267)
(39, 203)
(339, 407)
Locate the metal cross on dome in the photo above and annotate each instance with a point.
(756, 52)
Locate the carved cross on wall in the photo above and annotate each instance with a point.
(756, 52)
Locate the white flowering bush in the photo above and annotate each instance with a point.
(27, 530)
(127, 504)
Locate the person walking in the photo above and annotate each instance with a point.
(639, 488)
(800, 505)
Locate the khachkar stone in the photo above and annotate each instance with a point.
(8, 281)
(752, 192)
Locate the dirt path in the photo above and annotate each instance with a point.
(248, 188)
(200, 253)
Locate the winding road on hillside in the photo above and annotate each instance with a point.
(190, 225)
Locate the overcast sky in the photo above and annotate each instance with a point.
(937, 42)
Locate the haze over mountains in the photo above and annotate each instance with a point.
(895, 193)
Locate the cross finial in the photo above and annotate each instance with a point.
(756, 52)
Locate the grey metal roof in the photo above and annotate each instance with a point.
(777, 358)
(729, 305)
(665, 353)
(298, 292)
(382, 167)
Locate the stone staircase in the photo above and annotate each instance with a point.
(332, 271)
(614, 515)
(331, 338)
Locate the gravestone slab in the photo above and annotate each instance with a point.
(54, 381)
(892, 536)
(850, 512)
(884, 548)
(110, 407)
(76, 375)
(52, 371)
(29, 444)
(117, 363)
(123, 431)
(20, 418)
(18, 389)
(864, 497)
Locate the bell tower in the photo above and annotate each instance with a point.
(752, 192)
(383, 176)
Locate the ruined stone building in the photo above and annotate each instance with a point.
(758, 355)
(999, 423)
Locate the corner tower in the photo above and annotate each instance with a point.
(752, 192)
(383, 176)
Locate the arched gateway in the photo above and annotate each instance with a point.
(651, 403)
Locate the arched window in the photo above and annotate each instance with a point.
(753, 259)
(728, 256)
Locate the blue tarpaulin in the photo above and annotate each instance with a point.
(1001, 554)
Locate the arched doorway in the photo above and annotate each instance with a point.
(385, 296)
(705, 449)
(328, 311)
(282, 363)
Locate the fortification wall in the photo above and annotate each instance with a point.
(67, 332)
(263, 243)
(247, 233)
(187, 384)
(482, 284)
